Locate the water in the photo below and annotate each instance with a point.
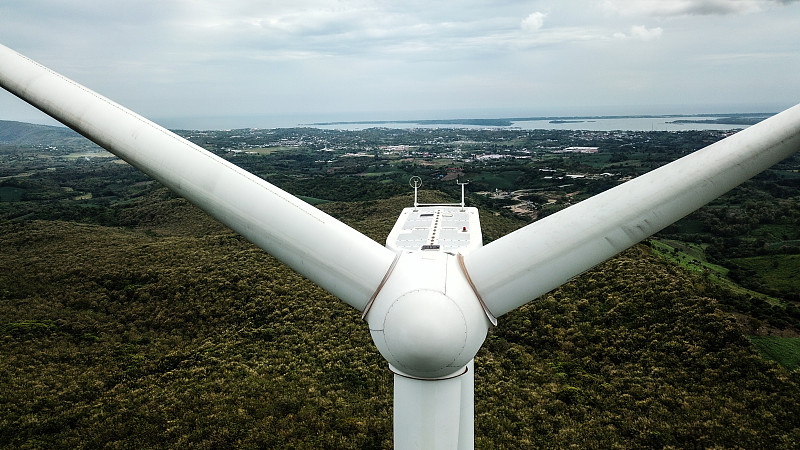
(593, 124)
(601, 123)
(629, 124)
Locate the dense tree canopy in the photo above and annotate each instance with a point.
(129, 319)
(173, 331)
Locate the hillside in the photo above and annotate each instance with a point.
(172, 331)
(21, 133)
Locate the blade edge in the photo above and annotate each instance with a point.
(536, 259)
(321, 248)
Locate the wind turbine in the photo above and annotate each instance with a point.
(431, 294)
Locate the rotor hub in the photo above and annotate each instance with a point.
(425, 333)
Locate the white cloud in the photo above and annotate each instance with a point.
(534, 21)
(663, 8)
(247, 56)
(641, 33)
(645, 34)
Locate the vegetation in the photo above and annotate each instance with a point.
(785, 350)
(128, 318)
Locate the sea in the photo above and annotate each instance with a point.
(593, 124)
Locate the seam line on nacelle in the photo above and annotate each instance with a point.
(380, 286)
(488, 313)
(410, 377)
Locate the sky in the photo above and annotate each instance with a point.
(207, 64)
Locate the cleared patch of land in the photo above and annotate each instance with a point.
(784, 350)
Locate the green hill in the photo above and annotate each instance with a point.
(164, 329)
(20, 133)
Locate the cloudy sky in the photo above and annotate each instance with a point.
(183, 62)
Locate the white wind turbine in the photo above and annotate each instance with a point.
(432, 293)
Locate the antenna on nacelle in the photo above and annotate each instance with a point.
(462, 190)
(415, 182)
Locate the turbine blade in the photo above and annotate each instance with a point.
(326, 251)
(531, 261)
(435, 413)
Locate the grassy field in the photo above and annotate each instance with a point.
(785, 351)
(688, 255)
(90, 154)
(312, 200)
(777, 232)
(692, 257)
(502, 180)
(269, 150)
(777, 271)
(11, 194)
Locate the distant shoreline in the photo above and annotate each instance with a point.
(750, 120)
(636, 122)
(719, 119)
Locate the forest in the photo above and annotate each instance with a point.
(129, 318)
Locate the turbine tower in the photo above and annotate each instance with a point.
(431, 294)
